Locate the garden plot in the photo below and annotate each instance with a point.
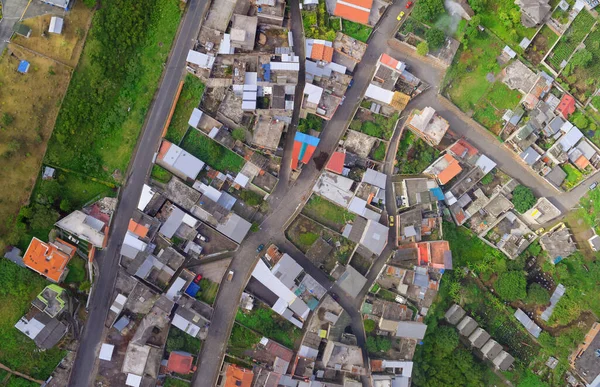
(571, 39)
(414, 155)
(541, 44)
(327, 213)
(375, 125)
(583, 71)
(492, 106)
(503, 18)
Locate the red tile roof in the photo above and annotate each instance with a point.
(296, 154)
(423, 257)
(566, 107)
(137, 228)
(164, 148)
(451, 170)
(49, 259)
(308, 153)
(461, 147)
(582, 162)
(279, 351)
(180, 362)
(388, 61)
(321, 52)
(336, 162)
(238, 377)
(438, 250)
(354, 10)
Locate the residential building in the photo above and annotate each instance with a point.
(566, 107)
(533, 12)
(428, 125)
(44, 330)
(558, 243)
(455, 314)
(85, 227)
(444, 169)
(52, 300)
(344, 358)
(466, 326)
(585, 360)
(243, 31)
(180, 362)
(178, 161)
(49, 259)
(354, 10)
(528, 323)
(56, 25)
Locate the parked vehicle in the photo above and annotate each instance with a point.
(230, 275)
(202, 238)
(409, 4)
(391, 222)
(593, 186)
(260, 248)
(198, 278)
(400, 15)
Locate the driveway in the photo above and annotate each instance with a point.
(12, 10)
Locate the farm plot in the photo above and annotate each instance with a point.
(540, 45)
(583, 70)
(491, 107)
(571, 39)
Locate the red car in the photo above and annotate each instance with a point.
(409, 4)
(198, 278)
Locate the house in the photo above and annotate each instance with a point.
(85, 227)
(517, 76)
(558, 243)
(594, 242)
(444, 169)
(23, 67)
(304, 147)
(236, 376)
(336, 162)
(319, 50)
(503, 361)
(44, 330)
(533, 12)
(64, 4)
(354, 10)
(411, 330)
(344, 358)
(395, 99)
(374, 237)
(391, 373)
(49, 259)
(585, 360)
(23, 30)
(49, 173)
(234, 227)
(566, 107)
(556, 176)
(267, 132)
(530, 156)
(478, 338)
(466, 326)
(180, 362)
(200, 60)
(491, 349)
(454, 314)
(56, 25)
(178, 161)
(52, 300)
(243, 31)
(428, 125)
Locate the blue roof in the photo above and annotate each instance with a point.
(267, 68)
(437, 192)
(312, 303)
(306, 139)
(23, 66)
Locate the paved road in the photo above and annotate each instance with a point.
(12, 12)
(108, 259)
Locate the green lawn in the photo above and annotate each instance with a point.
(465, 80)
(379, 152)
(571, 39)
(327, 213)
(172, 382)
(492, 106)
(77, 272)
(574, 176)
(240, 340)
(271, 325)
(357, 31)
(18, 287)
(190, 97)
(212, 153)
(113, 86)
(178, 340)
(414, 155)
(209, 291)
(378, 126)
(16, 381)
(503, 17)
(160, 174)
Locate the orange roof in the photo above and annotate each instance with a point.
(388, 61)
(49, 259)
(164, 148)
(376, 365)
(308, 153)
(321, 52)
(357, 15)
(450, 171)
(423, 253)
(238, 377)
(296, 154)
(462, 148)
(582, 162)
(360, 3)
(137, 228)
(336, 162)
(566, 107)
(438, 250)
(180, 362)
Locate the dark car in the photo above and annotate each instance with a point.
(260, 248)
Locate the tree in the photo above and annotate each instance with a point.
(428, 10)
(7, 119)
(511, 285)
(531, 380)
(239, 134)
(478, 5)
(537, 295)
(523, 198)
(65, 205)
(43, 217)
(423, 48)
(435, 38)
(581, 121)
(446, 340)
(372, 344)
(369, 325)
(582, 58)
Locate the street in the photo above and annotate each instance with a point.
(139, 168)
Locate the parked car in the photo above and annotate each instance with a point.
(400, 15)
(351, 83)
(198, 278)
(260, 248)
(391, 222)
(202, 238)
(594, 185)
(409, 4)
(230, 275)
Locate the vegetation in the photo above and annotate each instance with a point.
(318, 24)
(77, 273)
(16, 381)
(574, 176)
(18, 287)
(271, 325)
(377, 344)
(491, 107)
(251, 198)
(208, 292)
(523, 198)
(414, 155)
(571, 39)
(589, 210)
(311, 122)
(241, 339)
(423, 48)
(357, 31)
(583, 70)
(190, 97)
(178, 340)
(307, 239)
(327, 213)
(172, 382)
(379, 126)
(468, 250)
(212, 153)
(537, 295)
(370, 325)
(110, 92)
(489, 178)
(428, 11)
(411, 25)
(511, 285)
(379, 152)
(541, 44)
(435, 38)
(239, 134)
(160, 174)
(503, 18)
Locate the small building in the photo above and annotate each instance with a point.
(558, 243)
(201, 60)
(444, 169)
(411, 330)
(357, 11)
(533, 12)
(319, 50)
(243, 31)
(455, 314)
(594, 243)
(22, 29)
(528, 323)
(351, 281)
(64, 4)
(181, 363)
(49, 259)
(491, 349)
(374, 237)
(52, 300)
(503, 361)
(44, 330)
(466, 326)
(178, 161)
(336, 162)
(556, 296)
(267, 132)
(56, 25)
(478, 338)
(556, 176)
(344, 358)
(236, 376)
(428, 125)
(304, 146)
(23, 67)
(585, 359)
(85, 227)
(566, 107)
(49, 173)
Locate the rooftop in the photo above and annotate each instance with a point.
(180, 362)
(445, 168)
(84, 227)
(427, 124)
(49, 259)
(267, 132)
(236, 376)
(354, 10)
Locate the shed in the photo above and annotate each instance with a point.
(56, 25)
(22, 29)
(466, 326)
(491, 349)
(121, 323)
(23, 67)
(106, 352)
(479, 337)
(455, 314)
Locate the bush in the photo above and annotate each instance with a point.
(369, 325)
(523, 198)
(7, 119)
(377, 344)
(423, 48)
(239, 134)
(537, 295)
(251, 198)
(511, 285)
(428, 10)
(435, 38)
(311, 122)
(487, 179)
(581, 121)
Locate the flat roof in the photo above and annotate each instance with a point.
(47, 259)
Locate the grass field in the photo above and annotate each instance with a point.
(240, 340)
(65, 47)
(492, 106)
(357, 31)
(160, 174)
(16, 381)
(270, 324)
(209, 291)
(374, 125)
(108, 99)
(327, 213)
(583, 80)
(30, 102)
(571, 39)
(190, 97)
(76, 272)
(212, 153)
(503, 18)
(18, 287)
(178, 340)
(466, 79)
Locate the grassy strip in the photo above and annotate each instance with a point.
(212, 153)
(357, 31)
(160, 174)
(190, 97)
(209, 291)
(327, 213)
(113, 86)
(268, 323)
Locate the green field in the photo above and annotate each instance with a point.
(212, 153)
(178, 340)
(209, 291)
(571, 39)
(574, 176)
(374, 125)
(503, 18)
(357, 31)
(270, 324)
(113, 85)
(327, 213)
(240, 340)
(583, 79)
(18, 287)
(77, 272)
(492, 106)
(190, 97)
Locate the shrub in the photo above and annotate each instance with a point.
(581, 121)
(523, 198)
(239, 134)
(423, 48)
(7, 119)
(369, 325)
(435, 38)
(537, 295)
(511, 285)
(428, 10)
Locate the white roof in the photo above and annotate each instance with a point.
(133, 241)
(375, 178)
(145, 198)
(185, 325)
(175, 288)
(262, 273)
(338, 68)
(485, 163)
(510, 51)
(133, 380)
(182, 162)
(374, 237)
(31, 328)
(283, 66)
(201, 60)
(250, 78)
(313, 93)
(84, 227)
(248, 105)
(570, 138)
(225, 46)
(106, 352)
(379, 94)
(195, 118)
(118, 303)
(190, 220)
(242, 180)
(56, 25)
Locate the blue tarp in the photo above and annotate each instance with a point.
(267, 68)
(437, 192)
(306, 139)
(23, 67)
(192, 289)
